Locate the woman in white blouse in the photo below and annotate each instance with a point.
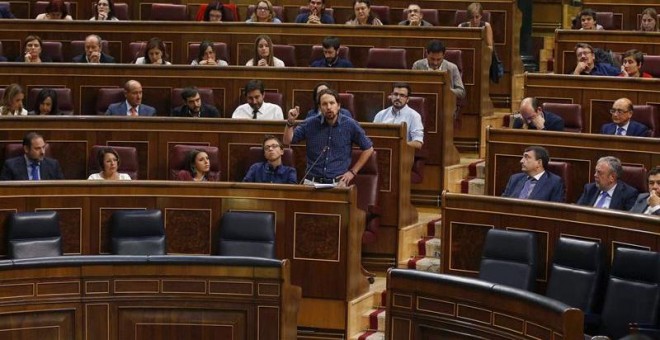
(105, 11)
(109, 164)
(207, 55)
(263, 53)
(12, 101)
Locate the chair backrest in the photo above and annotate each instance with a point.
(137, 232)
(78, 47)
(417, 173)
(651, 65)
(455, 56)
(565, 171)
(648, 115)
(64, 100)
(418, 104)
(575, 273)
(367, 182)
(635, 176)
(244, 233)
(136, 49)
(1, 51)
(221, 51)
(121, 11)
(347, 101)
(392, 58)
(276, 98)
(168, 12)
(460, 16)
(429, 14)
(633, 292)
(106, 96)
(128, 160)
(509, 258)
(606, 19)
(382, 12)
(33, 234)
(16, 149)
(570, 113)
(205, 93)
(279, 12)
(285, 52)
(178, 159)
(53, 49)
(317, 52)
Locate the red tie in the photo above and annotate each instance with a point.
(133, 111)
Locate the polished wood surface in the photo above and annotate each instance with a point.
(595, 94)
(467, 219)
(581, 150)
(440, 306)
(319, 231)
(616, 41)
(115, 298)
(627, 14)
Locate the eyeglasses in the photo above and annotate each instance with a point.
(618, 111)
(262, 8)
(103, 4)
(271, 146)
(400, 95)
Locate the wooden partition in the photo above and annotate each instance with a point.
(627, 14)
(467, 218)
(616, 41)
(506, 146)
(595, 94)
(240, 40)
(319, 231)
(141, 297)
(424, 305)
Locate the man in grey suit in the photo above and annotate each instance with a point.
(132, 106)
(32, 165)
(648, 203)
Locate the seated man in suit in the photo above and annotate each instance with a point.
(93, 53)
(607, 191)
(622, 124)
(331, 55)
(33, 165)
(193, 106)
(648, 203)
(533, 117)
(534, 182)
(132, 106)
(272, 170)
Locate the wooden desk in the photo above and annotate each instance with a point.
(626, 13)
(617, 41)
(438, 306)
(467, 218)
(319, 231)
(141, 297)
(506, 146)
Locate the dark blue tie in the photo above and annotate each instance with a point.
(34, 171)
(530, 183)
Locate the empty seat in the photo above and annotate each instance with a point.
(565, 171)
(221, 51)
(454, 56)
(606, 19)
(168, 12)
(279, 12)
(460, 16)
(205, 93)
(382, 13)
(78, 47)
(347, 101)
(570, 113)
(64, 100)
(635, 176)
(128, 160)
(178, 160)
(247, 233)
(648, 115)
(136, 49)
(509, 258)
(121, 11)
(276, 98)
(33, 234)
(417, 174)
(106, 96)
(53, 49)
(368, 191)
(391, 58)
(651, 65)
(137, 232)
(317, 52)
(285, 52)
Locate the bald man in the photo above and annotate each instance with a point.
(132, 106)
(93, 52)
(622, 124)
(533, 117)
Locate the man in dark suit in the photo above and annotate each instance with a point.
(648, 203)
(193, 106)
(533, 117)
(93, 53)
(32, 165)
(607, 191)
(132, 106)
(622, 124)
(534, 182)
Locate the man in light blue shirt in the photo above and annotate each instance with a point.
(401, 112)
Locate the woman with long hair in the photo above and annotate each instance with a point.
(649, 21)
(12, 101)
(263, 54)
(104, 10)
(207, 55)
(264, 13)
(46, 103)
(199, 168)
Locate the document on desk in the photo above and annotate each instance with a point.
(323, 185)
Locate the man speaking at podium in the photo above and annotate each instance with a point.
(330, 137)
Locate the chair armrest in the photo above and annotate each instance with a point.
(643, 328)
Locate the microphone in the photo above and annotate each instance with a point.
(325, 149)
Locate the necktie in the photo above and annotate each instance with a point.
(527, 188)
(619, 131)
(133, 111)
(601, 199)
(254, 114)
(34, 171)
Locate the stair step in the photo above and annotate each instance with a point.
(369, 335)
(477, 186)
(429, 246)
(376, 319)
(427, 264)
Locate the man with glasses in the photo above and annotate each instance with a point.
(533, 117)
(400, 112)
(316, 14)
(272, 170)
(608, 191)
(415, 17)
(622, 124)
(587, 65)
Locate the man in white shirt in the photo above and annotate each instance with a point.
(400, 112)
(256, 108)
